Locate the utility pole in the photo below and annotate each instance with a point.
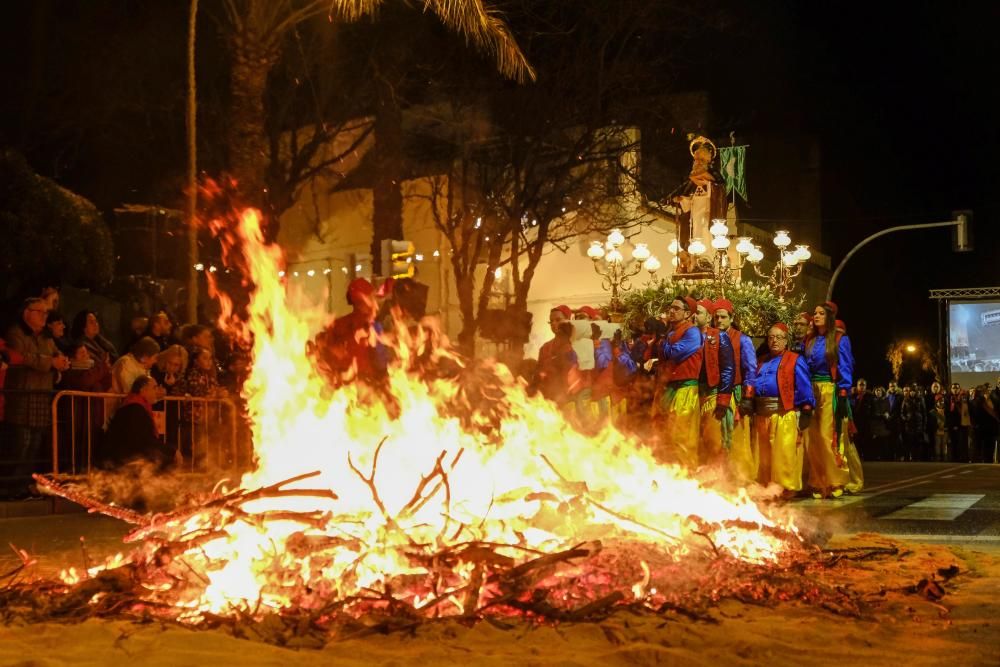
(961, 240)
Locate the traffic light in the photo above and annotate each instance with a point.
(961, 234)
(397, 259)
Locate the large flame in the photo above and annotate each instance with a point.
(421, 479)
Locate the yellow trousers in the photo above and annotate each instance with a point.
(780, 450)
(603, 410)
(743, 455)
(825, 451)
(680, 441)
(857, 475)
(710, 448)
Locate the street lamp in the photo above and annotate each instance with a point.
(616, 271)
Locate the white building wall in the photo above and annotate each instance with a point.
(345, 227)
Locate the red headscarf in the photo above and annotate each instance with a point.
(565, 310)
(723, 304)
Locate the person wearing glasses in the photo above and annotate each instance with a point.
(831, 367)
(800, 329)
(781, 399)
(681, 351)
(28, 407)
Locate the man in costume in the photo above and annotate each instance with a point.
(736, 425)
(715, 385)
(831, 368)
(613, 370)
(558, 376)
(350, 348)
(781, 398)
(681, 353)
(800, 329)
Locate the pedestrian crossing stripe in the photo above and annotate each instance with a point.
(937, 507)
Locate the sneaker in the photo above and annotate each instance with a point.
(837, 493)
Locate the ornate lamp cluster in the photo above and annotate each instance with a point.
(616, 271)
(786, 269)
(781, 278)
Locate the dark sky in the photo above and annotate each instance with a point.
(899, 95)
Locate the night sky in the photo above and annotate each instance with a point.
(899, 95)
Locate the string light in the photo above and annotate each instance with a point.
(199, 267)
(310, 273)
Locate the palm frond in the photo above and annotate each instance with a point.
(486, 31)
(354, 10)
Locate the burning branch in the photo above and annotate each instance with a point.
(370, 479)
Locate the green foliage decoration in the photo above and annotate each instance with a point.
(757, 305)
(50, 233)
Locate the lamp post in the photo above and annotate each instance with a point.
(616, 271)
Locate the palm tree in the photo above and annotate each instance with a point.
(256, 29)
(192, 175)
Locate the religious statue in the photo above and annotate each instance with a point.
(700, 199)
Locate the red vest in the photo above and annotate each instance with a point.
(786, 379)
(690, 368)
(710, 350)
(736, 337)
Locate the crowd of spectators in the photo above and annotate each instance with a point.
(40, 355)
(916, 423)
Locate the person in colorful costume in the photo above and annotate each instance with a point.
(558, 376)
(680, 354)
(781, 398)
(715, 386)
(613, 369)
(831, 368)
(857, 474)
(350, 348)
(800, 329)
(736, 425)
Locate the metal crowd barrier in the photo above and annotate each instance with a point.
(196, 437)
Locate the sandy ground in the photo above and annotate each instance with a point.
(963, 628)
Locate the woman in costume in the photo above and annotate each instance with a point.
(831, 369)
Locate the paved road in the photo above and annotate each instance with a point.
(927, 501)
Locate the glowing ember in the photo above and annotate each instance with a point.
(414, 501)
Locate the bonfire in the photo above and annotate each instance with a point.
(363, 515)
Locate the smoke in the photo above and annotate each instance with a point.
(143, 487)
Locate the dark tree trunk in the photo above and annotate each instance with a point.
(246, 133)
(470, 324)
(387, 194)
